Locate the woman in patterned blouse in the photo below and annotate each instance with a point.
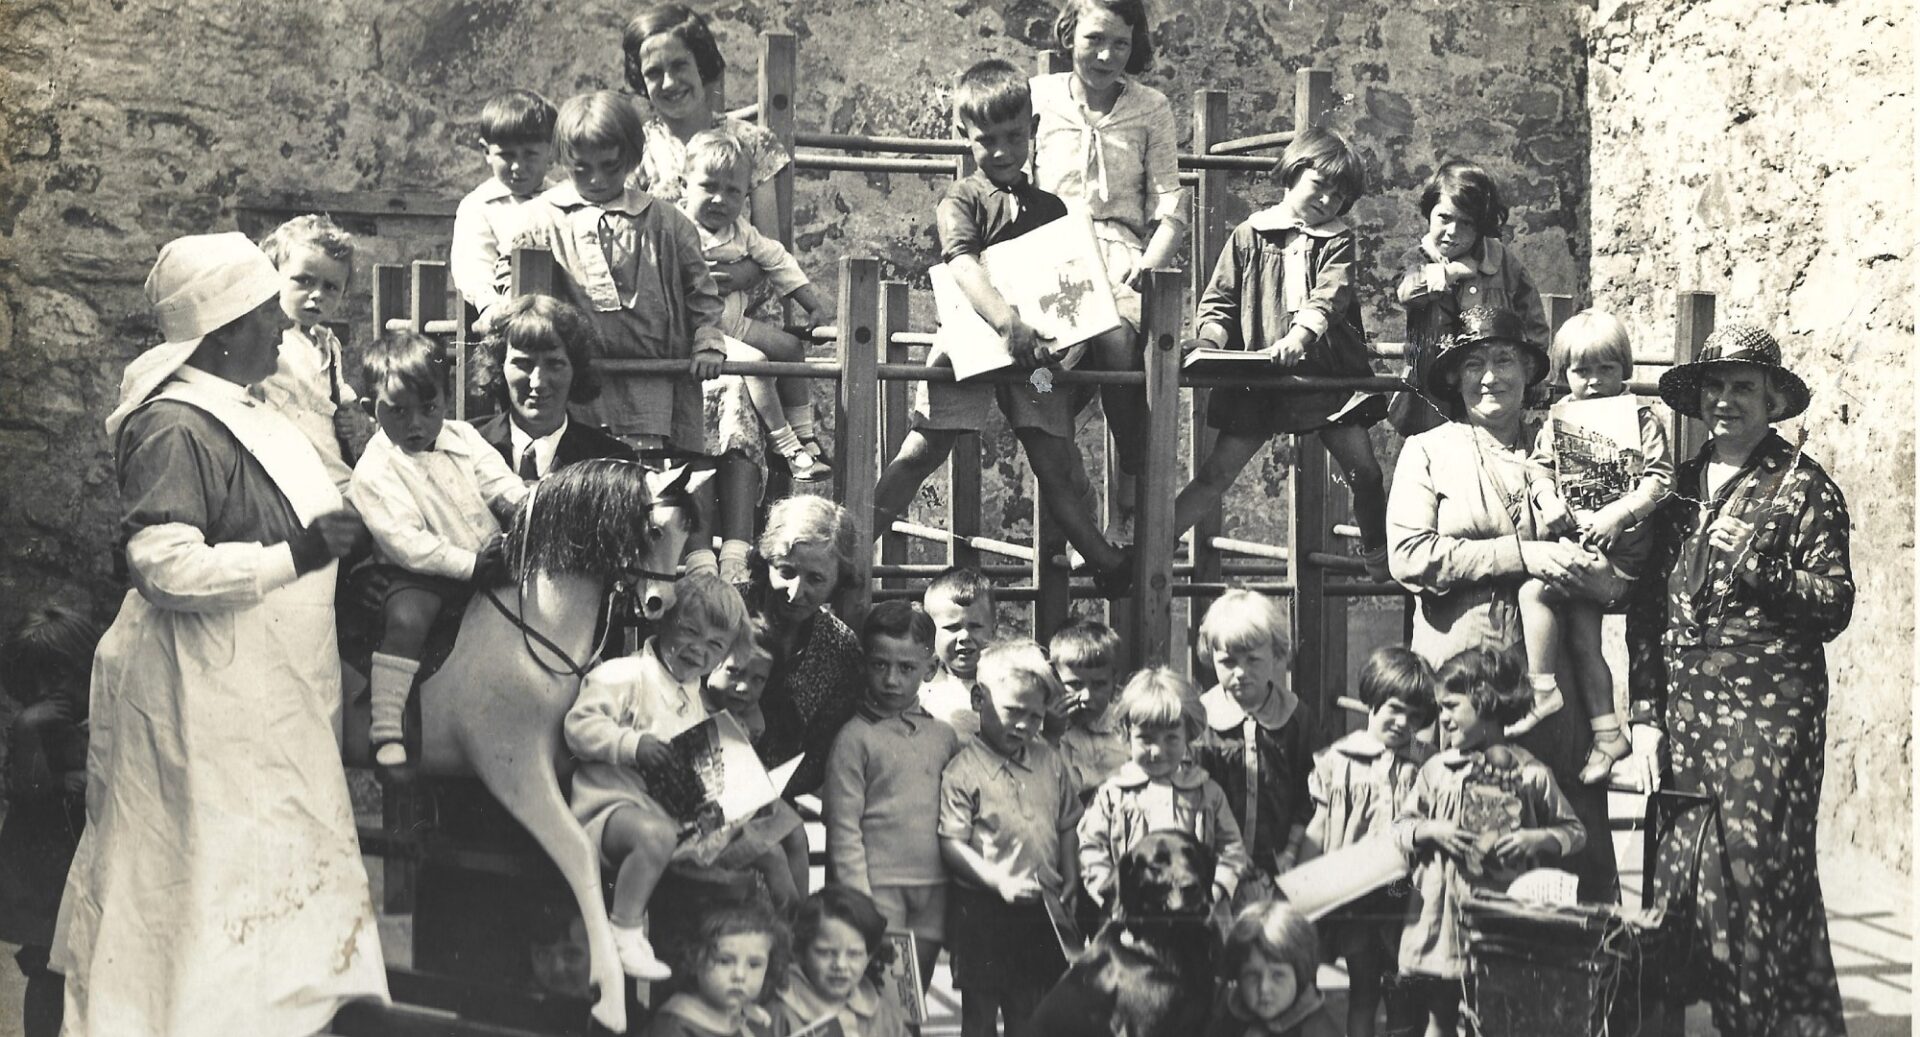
(1729, 661)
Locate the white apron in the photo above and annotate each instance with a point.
(219, 888)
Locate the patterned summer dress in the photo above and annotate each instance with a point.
(1738, 673)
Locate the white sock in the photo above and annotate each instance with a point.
(700, 560)
(785, 442)
(392, 681)
(1605, 722)
(735, 552)
(801, 419)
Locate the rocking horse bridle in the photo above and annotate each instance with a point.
(529, 635)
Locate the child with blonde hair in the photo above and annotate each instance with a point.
(1007, 835)
(1284, 287)
(310, 385)
(1267, 974)
(1592, 356)
(627, 712)
(1157, 788)
(1259, 742)
(1359, 785)
(434, 495)
(714, 196)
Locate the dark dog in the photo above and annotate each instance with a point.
(1149, 972)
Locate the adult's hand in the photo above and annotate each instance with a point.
(1554, 561)
(335, 534)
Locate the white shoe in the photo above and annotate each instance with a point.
(636, 956)
(806, 467)
(390, 754)
(1544, 706)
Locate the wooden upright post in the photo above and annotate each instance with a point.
(779, 75)
(432, 301)
(1693, 323)
(534, 273)
(390, 282)
(856, 422)
(894, 417)
(1210, 236)
(1308, 526)
(1152, 619)
(1312, 97)
(963, 499)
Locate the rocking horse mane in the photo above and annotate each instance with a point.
(589, 518)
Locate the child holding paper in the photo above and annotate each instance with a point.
(993, 112)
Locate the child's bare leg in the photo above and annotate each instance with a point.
(1352, 451)
(921, 454)
(1231, 452)
(1593, 686)
(1053, 459)
(796, 394)
(410, 612)
(640, 837)
(761, 389)
(1540, 618)
(926, 951)
(1126, 405)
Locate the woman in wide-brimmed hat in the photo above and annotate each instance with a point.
(1728, 661)
(218, 887)
(1462, 536)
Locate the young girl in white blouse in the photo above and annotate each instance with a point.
(433, 493)
(1107, 143)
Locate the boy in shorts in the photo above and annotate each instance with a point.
(993, 112)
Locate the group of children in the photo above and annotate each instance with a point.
(979, 780)
(986, 788)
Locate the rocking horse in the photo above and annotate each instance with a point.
(494, 708)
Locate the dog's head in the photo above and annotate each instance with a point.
(1167, 876)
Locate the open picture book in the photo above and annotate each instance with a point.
(1052, 276)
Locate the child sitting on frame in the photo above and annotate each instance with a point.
(1284, 287)
(433, 494)
(714, 197)
(309, 386)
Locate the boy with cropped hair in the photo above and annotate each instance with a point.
(516, 131)
(1008, 820)
(993, 113)
(882, 791)
(310, 386)
(1085, 655)
(960, 603)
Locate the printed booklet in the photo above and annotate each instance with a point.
(1052, 276)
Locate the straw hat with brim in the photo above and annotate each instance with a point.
(200, 284)
(1480, 324)
(1743, 344)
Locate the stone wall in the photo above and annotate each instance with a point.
(129, 124)
(1764, 152)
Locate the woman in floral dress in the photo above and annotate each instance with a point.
(1728, 660)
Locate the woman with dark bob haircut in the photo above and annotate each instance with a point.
(536, 361)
